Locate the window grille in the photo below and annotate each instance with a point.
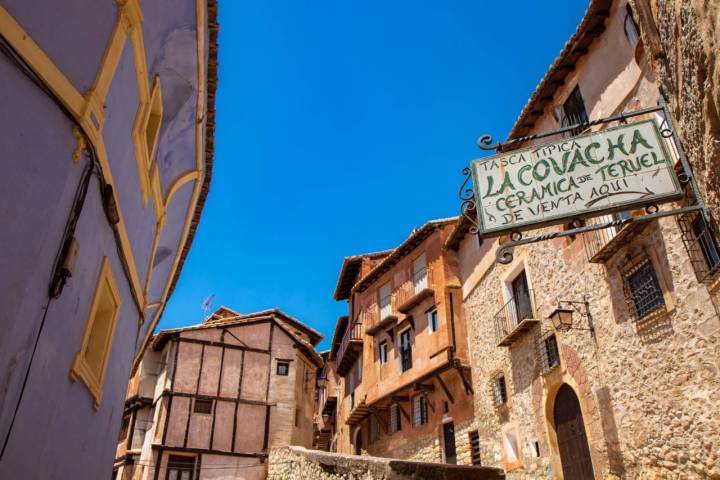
(574, 112)
(700, 241)
(395, 425)
(374, 429)
(420, 411)
(499, 390)
(548, 351)
(642, 289)
(475, 447)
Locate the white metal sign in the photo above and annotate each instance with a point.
(616, 169)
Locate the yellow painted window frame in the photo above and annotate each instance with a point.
(80, 368)
(145, 147)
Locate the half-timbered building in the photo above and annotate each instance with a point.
(210, 400)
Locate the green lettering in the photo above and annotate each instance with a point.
(588, 155)
(638, 140)
(619, 146)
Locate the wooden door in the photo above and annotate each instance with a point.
(521, 297)
(449, 443)
(572, 441)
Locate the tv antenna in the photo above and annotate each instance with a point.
(207, 303)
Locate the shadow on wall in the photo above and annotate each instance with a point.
(616, 464)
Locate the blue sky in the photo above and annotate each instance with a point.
(343, 125)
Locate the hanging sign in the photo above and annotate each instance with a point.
(611, 170)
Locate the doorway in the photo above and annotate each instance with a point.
(571, 437)
(358, 442)
(449, 443)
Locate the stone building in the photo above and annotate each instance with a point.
(631, 390)
(107, 147)
(210, 400)
(401, 354)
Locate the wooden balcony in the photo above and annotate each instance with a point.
(601, 245)
(377, 319)
(515, 319)
(412, 293)
(350, 348)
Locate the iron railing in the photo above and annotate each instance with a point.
(700, 241)
(517, 309)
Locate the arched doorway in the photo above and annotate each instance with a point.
(357, 444)
(571, 438)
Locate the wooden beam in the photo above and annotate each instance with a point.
(400, 398)
(466, 382)
(445, 389)
(423, 387)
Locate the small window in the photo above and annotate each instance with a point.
(359, 369)
(499, 390)
(548, 351)
(535, 447)
(420, 273)
(283, 368)
(395, 422)
(706, 241)
(145, 135)
(91, 360)
(643, 289)
(352, 399)
(475, 447)
(432, 318)
(574, 112)
(383, 352)
(297, 417)
(420, 411)
(446, 406)
(203, 405)
(374, 429)
(180, 467)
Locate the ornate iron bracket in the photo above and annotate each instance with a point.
(504, 253)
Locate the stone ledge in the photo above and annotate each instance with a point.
(290, 463)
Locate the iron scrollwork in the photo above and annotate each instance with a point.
(467, 199)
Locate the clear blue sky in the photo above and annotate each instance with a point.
(341, 126)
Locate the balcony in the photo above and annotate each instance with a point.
(350, 348)
(381, 317)
(515, 319)
(415, 291)
(601, 245)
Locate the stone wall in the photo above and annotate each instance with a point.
(297, 463)
(648, 390)
(682, 37)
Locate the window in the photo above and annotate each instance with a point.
(180, 467)
(631, 28)
(203, 405)
(643, 289)
(475, 447)
(573, 112)
(405, 351)
(432, 317)
(297, 417)
(699, 239)
(521, 302)
(385, 301)
(145, 134)
(374, 429)
(359, 369)
(499, 390)
(548, 351)
(420, 273)
(352, 399)
(283, 368)
(395, 422)
(92, 357)
(420, 411)
(383, 352)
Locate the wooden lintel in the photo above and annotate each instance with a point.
(400, 398)
(445, 389)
